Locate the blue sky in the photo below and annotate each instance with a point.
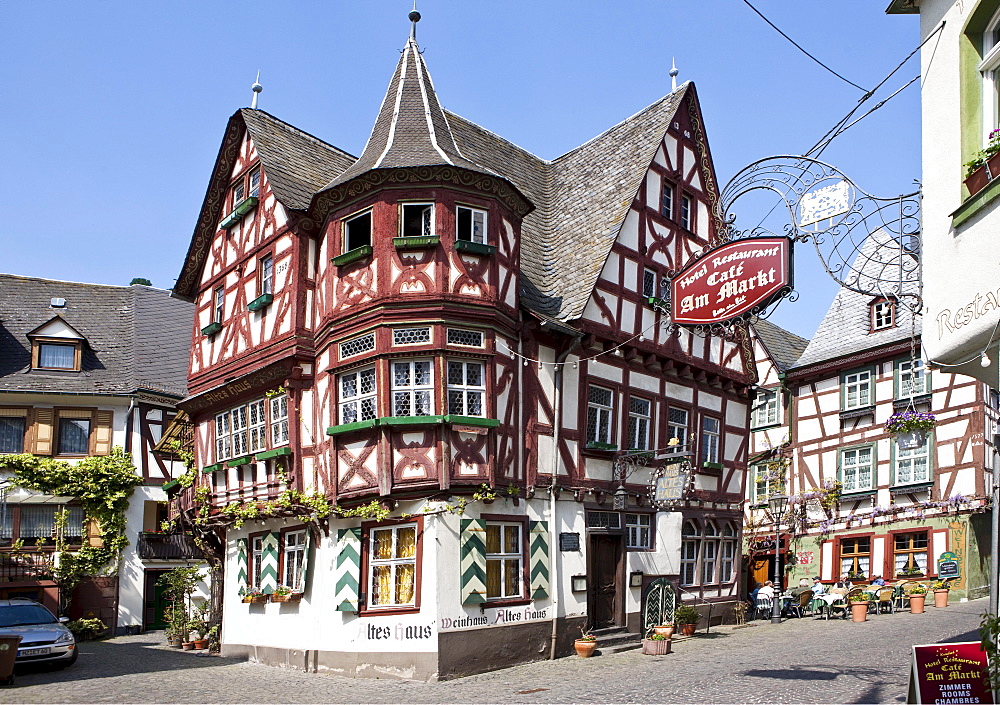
(113, 111)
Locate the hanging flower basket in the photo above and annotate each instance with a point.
(910, 428)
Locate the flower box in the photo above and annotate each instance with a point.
(977, 180)
(415, 243)
(211, 328)
(262, 301)
(656, 647)
(253, 599)
(474, 248)
(358, 253)
(293, 597)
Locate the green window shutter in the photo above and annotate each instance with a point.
(269, 563)
(538, 559)
(304, 576)
(241, 565)
(348, 575)
(473, 561)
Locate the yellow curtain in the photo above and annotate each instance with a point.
(492, 538)
(493, 578)
(512, 578)
(406, 543)
(382, 544)
(405, 574)
(511, 542)
(382, 585)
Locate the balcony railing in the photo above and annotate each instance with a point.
(163, 547)
(25, 566)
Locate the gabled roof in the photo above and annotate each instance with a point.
(581, 200)
(784, 346)
(845, 328)
(137, 337)
(296, 163)
(411, 128)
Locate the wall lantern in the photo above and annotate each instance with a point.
(620, 498)
(579, 583)
(635, 578)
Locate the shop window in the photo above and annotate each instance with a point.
(358, 396)
(412, 388)
(466, 388)
(504, 561)
(392, 566)
(910, 553)
(638, 531)
(600, 406)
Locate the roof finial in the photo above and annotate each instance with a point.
(256, 88)
(414, 18)
(673, 75)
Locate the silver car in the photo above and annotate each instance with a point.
(44, 639)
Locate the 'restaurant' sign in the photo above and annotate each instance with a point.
(730, 280)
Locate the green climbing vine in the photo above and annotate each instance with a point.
(103, 485)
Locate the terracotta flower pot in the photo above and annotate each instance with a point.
(585, 647)
(688, 629)
(201, 643)
(917, 604)
(976, 181)
(941, 598)
(666, 630)
(859, 611)
(187, 645)
(654, 647)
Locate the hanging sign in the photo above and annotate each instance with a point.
(947, 566)
(732, 280)
(949, 674)
(669, 483)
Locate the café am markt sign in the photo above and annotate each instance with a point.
(732, 280)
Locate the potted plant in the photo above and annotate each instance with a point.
(910, 428)
(911, 572)
(859, 606)
(199, 626)
(656, 645)
(253, 594)
(985, 166)
(586, 644)
(941, 588)
(687, 616)
(917, 593)
(283, 593)
(664, 630)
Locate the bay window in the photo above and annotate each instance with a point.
(358, 396)
(412, 388)
(466, 388)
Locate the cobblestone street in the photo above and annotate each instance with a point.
(800, 661)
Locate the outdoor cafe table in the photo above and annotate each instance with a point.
(828, 601)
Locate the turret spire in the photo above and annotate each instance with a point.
(673, 75)
(414, 18)
(256, 88)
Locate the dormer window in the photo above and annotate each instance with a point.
(883, 314)
(244, 192)
(56, 346)
(417, 220)
(470, 224)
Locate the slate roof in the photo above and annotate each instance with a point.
(138, 337)
(846, 325)
(296, 163)
(581, 199)
(784, 346)
(411, 128)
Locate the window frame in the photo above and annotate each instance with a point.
(367, 528)
(899, 373)
(358, 398)
(845, 388)
(412, 388)
(671, 427)
(855, 556)
(630, 437)
(690, 562)
(430, 226)
(465, 388)
(873, 484)
(912, 531)
(649, 289)
(265, 283)
(688, 212)
(26, 426)
(274, 420)
(522, 522)
(57, 431)
(926, 450)
(666, 209)
(877, 320)
(218, 304)
(607, 411)
(650, 528)
(16, 524)
(473, 211)
(265, 428)
(709, 564)
(755, 483)
(299, 548)
(710, 454)
(728, 541)
(771, 404)
(255, 557)
(346, 237)
(988, 69)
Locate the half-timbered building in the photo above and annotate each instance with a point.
(442, 313)
(85, 368)
(863, 504)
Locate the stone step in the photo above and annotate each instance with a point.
(617, 638)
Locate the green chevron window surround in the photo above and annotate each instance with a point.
(347, 578)
(242, 570)
(269, 564)
(473, 561)
(538, 559)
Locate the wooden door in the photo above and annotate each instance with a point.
(605, 592)
(760, 571)
(155, 612)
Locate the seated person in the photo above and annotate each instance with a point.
(878, 580)
(818, 588)
(802, 587)
(767, 590)
(753, 593)
(844, 582)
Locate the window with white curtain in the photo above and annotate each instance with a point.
(295, 557)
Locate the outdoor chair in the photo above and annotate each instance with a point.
(762, 608)
(886, 600)
(799, 606)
